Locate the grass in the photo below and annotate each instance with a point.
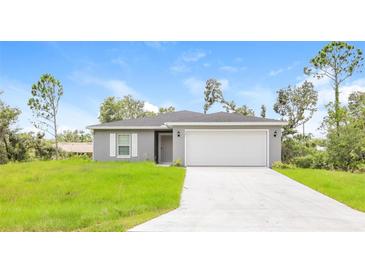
(345, 187)
(82, 195)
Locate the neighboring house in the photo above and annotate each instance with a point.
(76, 148)
(196, 139)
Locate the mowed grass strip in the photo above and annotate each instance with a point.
(82, 195)
(345, 187)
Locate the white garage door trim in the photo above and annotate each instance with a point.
(230, 130)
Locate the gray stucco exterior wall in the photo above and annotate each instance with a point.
(145, 141)
(274, 142)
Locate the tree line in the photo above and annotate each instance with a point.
(44, 101)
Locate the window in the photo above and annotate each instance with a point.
(124, 146)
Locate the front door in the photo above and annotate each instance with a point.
(165, 148)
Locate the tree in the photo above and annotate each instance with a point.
(44, 103)
(166, 109)
(346, 147)
(263, 111)
(297, 105)
(8, 117)
(77, 136)
(113, 109)
(43, 149)
(333, 118)
(232, 107)
(356, 106)
(337, 61)
(212, 94)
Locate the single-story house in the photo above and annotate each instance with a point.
(76, 147)
(193, 138)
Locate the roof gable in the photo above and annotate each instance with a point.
(184, 116)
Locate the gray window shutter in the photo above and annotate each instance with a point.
(112, 145)
(134, 145)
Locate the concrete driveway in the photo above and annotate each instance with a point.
(252, 199)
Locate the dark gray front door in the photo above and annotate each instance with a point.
(165, 148)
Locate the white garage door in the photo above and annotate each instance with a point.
(226, 147)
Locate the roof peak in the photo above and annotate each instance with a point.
(183, 116)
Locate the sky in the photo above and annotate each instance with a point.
(161, 74)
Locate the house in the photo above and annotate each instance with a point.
(195, 139)
(76, 147)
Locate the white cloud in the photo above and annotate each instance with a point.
(120, 61)
(257, 96)
(73, 117)
(181, 64)
(276, 72)
(290, 67)
(179, 68)
(231, 68)
(117, 87)
(150, 107)
(193, 56)
(225, 84)
(195, 86)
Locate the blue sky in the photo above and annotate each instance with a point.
(160, 73)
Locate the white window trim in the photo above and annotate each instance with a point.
(130, 146)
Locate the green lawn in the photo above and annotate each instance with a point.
(345, 187)
(82, 195)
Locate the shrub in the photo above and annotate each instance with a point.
(177, 162)
(346, 147)
(70, 155)
(297, 146)
(320, 160)
(361, 168)
(304, 161)
(282, 165)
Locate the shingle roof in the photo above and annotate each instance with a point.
(183, 116)
(76, 147)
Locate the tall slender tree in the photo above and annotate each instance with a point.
(44, 103)
(337, 61)
(212, 94)
(263, 111)
(297, 105)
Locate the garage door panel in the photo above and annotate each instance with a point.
(226, 148)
